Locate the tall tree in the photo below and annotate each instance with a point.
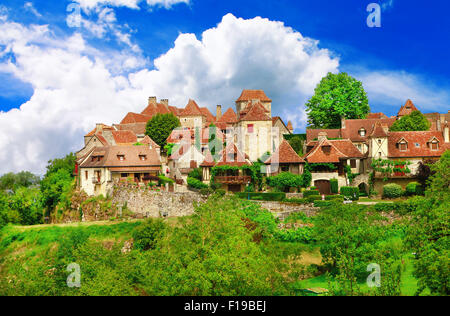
(415, 121)
(337, 96)
(161, 126)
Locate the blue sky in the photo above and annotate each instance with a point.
(144, 47)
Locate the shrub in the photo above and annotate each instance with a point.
(221, 192)
(272, 196)
(284, 181)
(334, 186)
(163, 180)
(196, 174)
(206, 191)
(313, 198)
(308, 193)
(320, 203)
(147, 234)
(196, 184)
(392, 191)
(414, 188)
(296, 201)
(350, 192)
(334, 198)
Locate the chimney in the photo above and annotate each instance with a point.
(98, 127)
(438, 125)
(343, 122)
(219, 112)
(151, 100)
(290, 127)
(446, 133)
(322, 136)
(165, 102)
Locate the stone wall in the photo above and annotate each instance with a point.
(283, 210)
(154, 204)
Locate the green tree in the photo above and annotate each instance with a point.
(147, 235)
(161, 126)
(296, 143)
(11, 181)
(415, 121)
(337, 96)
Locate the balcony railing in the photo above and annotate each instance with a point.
(233, 179)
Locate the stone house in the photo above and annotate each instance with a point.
(285, 159)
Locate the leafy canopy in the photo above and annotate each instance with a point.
(161, 126)
(415, 121)
(337, 96)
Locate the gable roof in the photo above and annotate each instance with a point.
(209, 117)
(124, 137)
(92, 133)
(331, 151)
(285, 154)
(378, 131)
(379, 115)
(131, 153)
(148, 141)
(255, 112)
(192, 109)
(132, 118)
(136, 128)
(407, 109)
(352, 127)
(421, 138)
(229, 117)
(249, 95)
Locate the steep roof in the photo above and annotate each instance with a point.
(249, 95)
(378, 130)
(229, 117)
(132, 118)
(148, 141)
(179, 135)
(136, 128)
(418, 144)
(209, 117)
(407, 109)
(256, 112)
(92, 133)
(192, 109)
(331, 151)
(352, 127)
(285, 154)
(379, 115)
(131, 154)
(290, 126)
(124, 137)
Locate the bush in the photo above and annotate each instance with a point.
(284, 181)
(320, 203)
(308, 193)
(147, 234)
(220, 192)
(334, 198)
(334, 186)
(206, 191)
(296, 201)
(196, 174)
(196, 184)
(163, 180)
(350, 192)
(392, 191)
(414, 188)
(272, 196)
(313, 198)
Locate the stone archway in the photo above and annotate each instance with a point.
(363, 187)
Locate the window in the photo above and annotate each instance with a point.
(434, 145)
(124, 175)
(403, 146)
(121, 157)
(285, 168)
(379, 142)
(250, 128)
(417, 145)
(143, 157)
(86, 175)
(362, 132)
(353, 164)
(379, 154)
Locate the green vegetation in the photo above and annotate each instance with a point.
(161, 126)
(337, 96)
(284, 181)
(11, 181)
(392, 191)
(297, 143)
(415, 121)
(196, 184)
(351, 193)
(334, 186)
(271, 196)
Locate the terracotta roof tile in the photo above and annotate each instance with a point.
(92, 133)
(209, 117)
(148, 141)
(132, 156)
(352, 127)
(256, 112)
(331, 151)
(136, 128)
(192, 109)
(379, 115)
(379, 130)
(229, 117)
(249, 95)
(407, 109)
(132, 118)
(413, 139)
(124, 137)
(286, 154)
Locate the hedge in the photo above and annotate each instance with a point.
(322, 203)
(308, 193)
(313, 198)
(272, 196)
(334, 186)
(296, 201)
(196, 184)
(414, 188)
(334, 198)
(392, 191)
(350, 192)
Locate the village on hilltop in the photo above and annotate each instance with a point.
(123, 152)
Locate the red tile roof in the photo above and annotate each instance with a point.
(422, 139)
(290, 126)
(209, 117)
(379, 115)
(92, 133)
(148, 141)
(136, 128)
(124, 137)
(331, 151)
(255, 112)
(192, 109)
(132, 118)
(229, 117)
(285, 154)
(407, 109)
(184, 135)
(249, 95)
(379, 130)
(352, 127)
(132, 155)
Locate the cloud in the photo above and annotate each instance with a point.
(30, 7)
(131, 4)
(76, 86)
(387, 4)
(393, 88)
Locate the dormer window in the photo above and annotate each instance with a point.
(362, 132)
(143, 157)
(96, 158)
(121, 157)
(403, 146)
(434, 145)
